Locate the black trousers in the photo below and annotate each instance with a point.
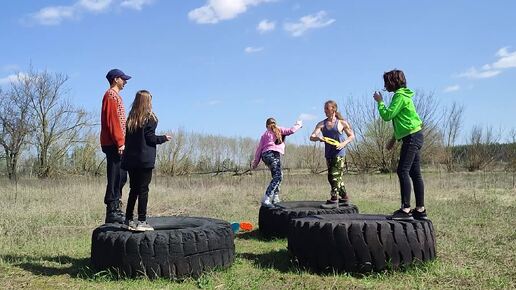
(139, 180)
(409, 168)
(116, 176)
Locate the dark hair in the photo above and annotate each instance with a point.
(394, 80)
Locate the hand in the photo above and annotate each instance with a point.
(341, 145)
(253, 165)
(321, 139)
(390, 144)
(168, 137)
(121, 150)
(378, 96)
(299, 122)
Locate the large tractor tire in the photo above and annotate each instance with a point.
(360, 243)
(179, 247)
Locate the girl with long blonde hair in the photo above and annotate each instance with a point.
(334, 127)
(140, 156)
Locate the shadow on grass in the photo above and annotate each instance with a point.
(280, 260)
(255, 235)
(52, 265)
(284, 262)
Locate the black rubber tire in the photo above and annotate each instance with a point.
(179, 247)
(274, 222)
(360, 243)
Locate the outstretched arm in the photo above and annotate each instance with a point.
(293, 129)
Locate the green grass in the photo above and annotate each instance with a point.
(46, 227)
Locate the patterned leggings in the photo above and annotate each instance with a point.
(273, 161)
(335, 174)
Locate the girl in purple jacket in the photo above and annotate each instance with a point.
(269, 149)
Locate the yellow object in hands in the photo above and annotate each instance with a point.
(331, 141)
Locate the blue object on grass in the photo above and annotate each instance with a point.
(235, 226)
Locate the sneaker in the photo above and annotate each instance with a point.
(419, 215)
(332, 200)
(344, 201)
(331, 203)
(130, 224)
(400, 215)
(276, 199)
(266, 201)
(142, 226)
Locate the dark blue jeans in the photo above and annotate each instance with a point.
(409, 168)
(116, 176)
(273, 161)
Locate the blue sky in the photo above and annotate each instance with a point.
(224, 66)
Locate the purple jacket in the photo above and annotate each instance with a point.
(267, 142)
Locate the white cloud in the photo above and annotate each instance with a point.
(505, 61)
(135, 4)
(452, 88)
(94, 5)
(217, 10)
(307, 117)
(265, 26)
(13, 78)
(308, 22)
(55, 15)
(473, 73)
(251, 49)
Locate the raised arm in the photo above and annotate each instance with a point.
(293, 129)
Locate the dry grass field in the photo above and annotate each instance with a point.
(46, 226)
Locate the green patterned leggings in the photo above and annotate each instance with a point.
(335, 176)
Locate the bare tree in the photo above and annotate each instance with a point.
(450, 132)
(511, 164)
(86, 156)
(172, 154)
(483, 148)
(57, 122)
(15, 125)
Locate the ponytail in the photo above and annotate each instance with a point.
(271, 125)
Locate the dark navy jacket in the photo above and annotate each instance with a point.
(140, 147)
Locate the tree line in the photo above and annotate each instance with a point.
(43, 134)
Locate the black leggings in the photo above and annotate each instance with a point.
(409, 168)
(139, 180)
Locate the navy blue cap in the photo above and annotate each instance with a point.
(116, 73)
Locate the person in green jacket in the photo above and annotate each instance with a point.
(407, 127)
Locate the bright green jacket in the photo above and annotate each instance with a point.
(402, 112)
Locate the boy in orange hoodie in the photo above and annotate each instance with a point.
(112, 140)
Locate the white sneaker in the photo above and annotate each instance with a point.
(142, 226)
(276, 199)
(266, 201)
